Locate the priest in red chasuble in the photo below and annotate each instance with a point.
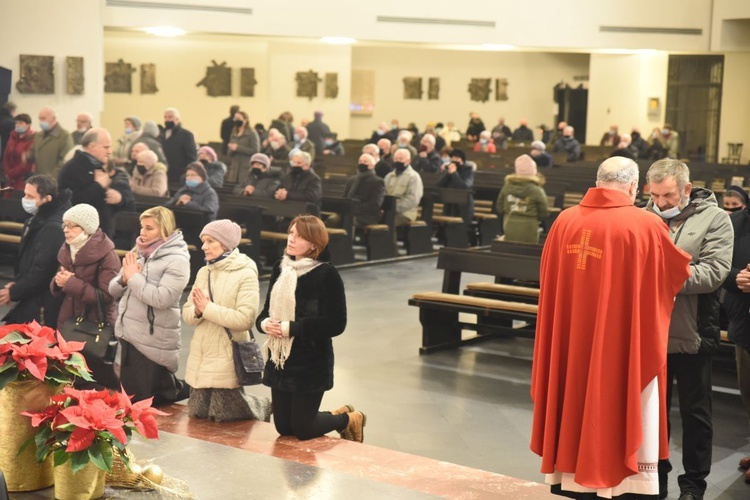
(609, 277)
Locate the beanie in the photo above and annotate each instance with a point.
(260, 158)
(198, 168)
(83, 215)
(225, 232)
(526, 166)
(135, 121)
(210, 152)
(538, 145)
(458, 153)
(741, 192)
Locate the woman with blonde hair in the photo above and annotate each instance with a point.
(305, 308)
(149, 287)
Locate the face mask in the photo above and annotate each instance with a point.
(204, 162)
(665, 132)
(169, 124)
(482, 141)
(380, 132)
(275, 145)
(439, 129)
(141, 169)
(329, 143)
(399, 166)
(363, 167)
(238, 123)
(611, 132)
(128, 130)
(393, 127)
(21, 130)
(296, 170)
(44, 126)
(733, 209)
(422, 149)
(29, 206)
(446, 161)
(402, 143)
(192, 183)
(82, 130)
(257, 172)
(296, 138)
(668, 213)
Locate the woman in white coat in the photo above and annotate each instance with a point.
(224, 300)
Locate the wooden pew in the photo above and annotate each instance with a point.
(12, 218)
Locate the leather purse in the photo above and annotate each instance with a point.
(99, 336)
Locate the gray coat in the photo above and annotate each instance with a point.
(705, 232)
(202, 197)
(265, 185)
(148, 314)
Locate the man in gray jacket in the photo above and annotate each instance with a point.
(406, 185)
(698, 226)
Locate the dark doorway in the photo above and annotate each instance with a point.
(572, 107)
(694, 104)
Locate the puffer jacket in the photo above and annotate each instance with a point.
(202, 197)
(523, 204)
(704, 231)
(234, 305)
(148, 315)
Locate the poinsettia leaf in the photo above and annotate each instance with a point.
(79, 460)
(107, 454)
(8, 376)
(25, 445)
(95, 454)
(80, 439)
(10, 363)
(60, 457)
(16, 338)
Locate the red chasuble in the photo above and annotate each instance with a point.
(609, 276)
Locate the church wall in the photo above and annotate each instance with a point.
(735, 104)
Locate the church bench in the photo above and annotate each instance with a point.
(12, 218)
(502, 291)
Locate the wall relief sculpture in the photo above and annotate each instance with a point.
(479, 88)
(74, 78)
(332, 85)
(247, 82)
(37, 75)
(501, 89)
(412, 87)
(307, 84)
(218, 80)
(118, 77)
(433, 89)
(148, 79)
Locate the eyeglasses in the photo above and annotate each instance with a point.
(69, 225)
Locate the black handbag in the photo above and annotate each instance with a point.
(248, 358)
(99, 337)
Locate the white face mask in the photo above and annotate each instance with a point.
(29, 206)
(669, 213)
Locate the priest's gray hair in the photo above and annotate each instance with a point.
(668, 167)
(617, 170)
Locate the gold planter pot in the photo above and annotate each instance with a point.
(22, 472)
(87, 484)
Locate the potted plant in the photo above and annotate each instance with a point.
(34, 363)
(83, 431)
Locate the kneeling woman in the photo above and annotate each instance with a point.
(305, 308)
(224, 302)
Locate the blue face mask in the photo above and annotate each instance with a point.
(446, 161)
(380, 132)
(29, 206)
(44, 126)
(669, 213)
(21, 130)
(128, 130)
(296, 138)
(192, 183)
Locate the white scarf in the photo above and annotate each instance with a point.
(283, 303)
(77, 244)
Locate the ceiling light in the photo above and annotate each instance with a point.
(338, 40)
(497, 46)
(167, 31)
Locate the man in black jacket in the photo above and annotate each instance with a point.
(178, 144)
(226, 128)
(36, 264)
(428, 160)
(301, 183)
(368, 190)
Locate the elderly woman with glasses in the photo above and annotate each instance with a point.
(87, 264)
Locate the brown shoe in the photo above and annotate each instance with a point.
(745, 463)
(355, 429)
(342, 410)
(747, 476)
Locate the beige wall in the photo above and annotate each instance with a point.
(619, 88)
(531, 77)
(70, 29)
(735, 104)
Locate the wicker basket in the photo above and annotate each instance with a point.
(87, 484)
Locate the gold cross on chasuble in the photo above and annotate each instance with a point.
(584, 250)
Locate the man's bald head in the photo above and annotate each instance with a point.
(48, 115)
(618, 173)
(402, 155)
(384, 145)
(98, 143)
(138, 148)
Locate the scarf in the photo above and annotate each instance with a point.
(77, 244)
(282, 304)
(146, 249)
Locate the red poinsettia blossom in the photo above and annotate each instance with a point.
(90, 418)
(32, 357)
(64, 348)
(143, 418)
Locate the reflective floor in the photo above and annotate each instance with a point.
(468, 407)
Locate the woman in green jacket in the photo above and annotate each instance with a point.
(522, 202)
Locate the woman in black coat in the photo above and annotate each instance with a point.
(305, 308)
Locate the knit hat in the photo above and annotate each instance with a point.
(198, 168)
(538, 145)
(743, 194)
(85, 216)
(210, 152)
(458, 153)
(135, 121)
(260, 158)
(225, 232)
(526, 166)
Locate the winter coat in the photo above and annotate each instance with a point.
(286, 129)
(234, 305)
(180, 151)
(488, 147)
(152, 183)
(316, 133)
(94, 267)
(78, 176)
(334, 149)
(308, 147)
(36, 265)
(523, 203)
(523, 134)
(543, 160)
(280, 155)
(227, 125)
(462, 178)
(216, 171)
(408, 188)
(736, 302)
(148, 314)
(247, 145)
(150, 137)
(431, 163)
(202, 197)
(569, 145)
(265, 185)
(305, 186)
(320, 315)
(16, 169)
(125, 144)
(48, 150)
(384, 166)
(704, 231)
(369, 191)
(475, 127)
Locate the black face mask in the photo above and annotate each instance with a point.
(296, 170)
(363, 167)
(733, 209)
(257, 172)
(204, 162)
(141, 169)
(399, 166)
(382, 153)
(168, 125)
(238, 123)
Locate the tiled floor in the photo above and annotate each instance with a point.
(468, 407)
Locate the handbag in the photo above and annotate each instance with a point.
(99, 337)
(247, 355)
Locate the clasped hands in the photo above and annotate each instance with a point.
(62, 277)
(130, 267)
(743, 279)
(5, 293)
(200, 301)
(273, 328)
